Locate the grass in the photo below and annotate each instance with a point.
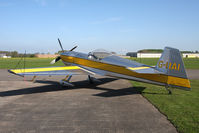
(29, 62)
(190, 63)
(181, 108)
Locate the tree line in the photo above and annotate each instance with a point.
(16, 54)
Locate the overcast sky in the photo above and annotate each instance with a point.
(115, 25)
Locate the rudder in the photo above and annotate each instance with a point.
(171, 64)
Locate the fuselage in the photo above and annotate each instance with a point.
(118, 68)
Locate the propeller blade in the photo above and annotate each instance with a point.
(55, 60)
(73, 48)
(60, 45)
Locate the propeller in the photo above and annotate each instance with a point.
(60, 45)
(73, 48)
(58, 58)
(55, 60)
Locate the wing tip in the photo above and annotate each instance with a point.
(10, 71)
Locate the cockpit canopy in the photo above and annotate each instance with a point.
(99, 54)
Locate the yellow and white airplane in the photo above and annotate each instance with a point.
(169, 71)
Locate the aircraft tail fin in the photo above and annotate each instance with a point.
(171, 64)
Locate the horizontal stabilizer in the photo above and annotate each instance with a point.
(144, 69)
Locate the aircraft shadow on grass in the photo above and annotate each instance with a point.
(53, 86)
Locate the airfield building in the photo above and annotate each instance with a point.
(4, 56)
(157, 55)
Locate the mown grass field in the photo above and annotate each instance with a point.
(181, 108)
(190, 63)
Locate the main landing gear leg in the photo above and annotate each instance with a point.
(167, 88)
(33, 79)
(65, 82)
(67, 78)
(90, 79)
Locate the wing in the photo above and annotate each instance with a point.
(66, 70)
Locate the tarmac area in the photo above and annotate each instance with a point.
(110, 106)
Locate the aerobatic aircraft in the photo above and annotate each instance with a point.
(169, 71)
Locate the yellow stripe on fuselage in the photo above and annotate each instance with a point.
(137, 68)
(44, 69)
(122, 70)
